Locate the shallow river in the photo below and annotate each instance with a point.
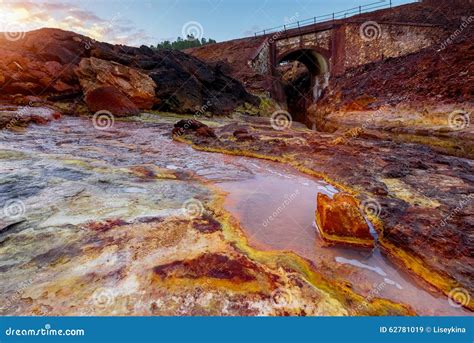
(274, 203)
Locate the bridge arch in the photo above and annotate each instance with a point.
(315, 60)
(306, 88)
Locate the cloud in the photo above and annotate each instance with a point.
(84, 15)
(31, 15)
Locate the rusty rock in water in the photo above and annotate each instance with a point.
(341, 221)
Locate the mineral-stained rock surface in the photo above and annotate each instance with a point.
(15, 117)
(124, 221)
(202, 87)
(112, 100)
(101, 226)
(232, 57)
(420, 200)
(52, 62)
(201, 129)
(95, 73)
(425, 97)
(340, 221)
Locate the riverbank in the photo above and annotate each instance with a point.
(419, 199)
(134, 225)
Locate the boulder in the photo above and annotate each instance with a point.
(95, 73)
(191, 125)
(25, 71)
(112, 100)
(60, 64)
(340, 221)
(206, 132)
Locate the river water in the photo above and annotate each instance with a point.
(274, 203)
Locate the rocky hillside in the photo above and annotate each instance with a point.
(438, 73)
(59, 64)
(425, 97)
(434, 12)
(233, 56)
(433, 75)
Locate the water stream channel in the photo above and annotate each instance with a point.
(274, 203)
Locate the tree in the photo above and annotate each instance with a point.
(182, 44)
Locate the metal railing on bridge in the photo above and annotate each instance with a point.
(328, 17)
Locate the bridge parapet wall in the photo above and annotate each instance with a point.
(318, 40)
(345, 46)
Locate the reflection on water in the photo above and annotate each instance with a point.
(276, 208)
(275, 204)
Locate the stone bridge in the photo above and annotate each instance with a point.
(332, 48)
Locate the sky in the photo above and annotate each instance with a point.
(137, 22)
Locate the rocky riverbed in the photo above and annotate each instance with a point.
(419, 200)
(114, 202)
(126, 221)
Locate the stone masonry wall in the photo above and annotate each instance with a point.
(318, 40)
(348, 46)
(261, 62)
(388, 40)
